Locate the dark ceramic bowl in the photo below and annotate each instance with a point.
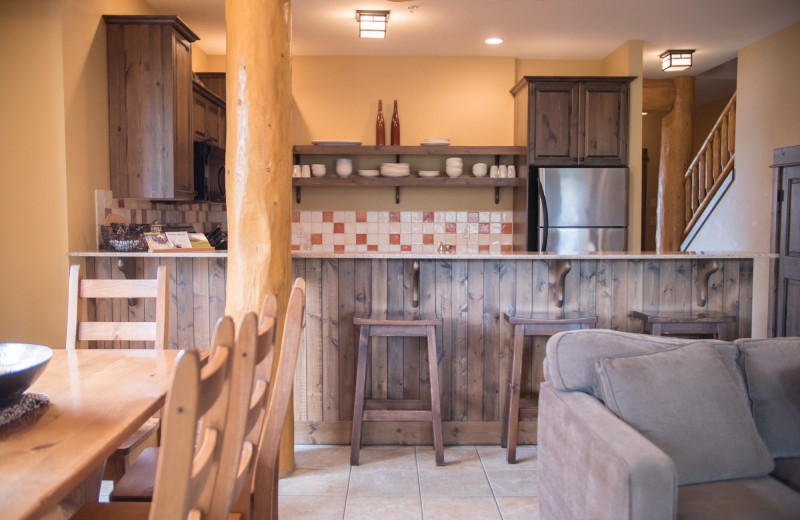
(20, 365)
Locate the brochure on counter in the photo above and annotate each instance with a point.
(178, 242)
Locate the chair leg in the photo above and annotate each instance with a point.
(358, 406)
(436, 408)
(513, 407)
(507, 400)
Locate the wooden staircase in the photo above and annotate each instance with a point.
(710, 170)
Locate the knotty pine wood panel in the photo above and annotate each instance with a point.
(196, 298)
(473, 342)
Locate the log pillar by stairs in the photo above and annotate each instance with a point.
(676, 149)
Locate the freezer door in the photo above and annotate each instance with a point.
(586, 196)
(586, 240)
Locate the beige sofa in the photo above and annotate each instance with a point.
(642, 427)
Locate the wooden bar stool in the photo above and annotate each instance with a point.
(517, 408)
(396, 409)
(661, 323)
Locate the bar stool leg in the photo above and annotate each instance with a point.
(507, 398)
(358, 406)
(436, 409)
(513, 408)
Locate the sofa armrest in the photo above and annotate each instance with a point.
(594, 465)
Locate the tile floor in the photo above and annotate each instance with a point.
(403, 482)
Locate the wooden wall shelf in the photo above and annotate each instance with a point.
(310, 149)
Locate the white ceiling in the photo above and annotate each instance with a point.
(531, 29)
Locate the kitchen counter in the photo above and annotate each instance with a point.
(469, 292)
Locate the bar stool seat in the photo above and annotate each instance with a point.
(396, 409)
(661, 323)
(515, 407)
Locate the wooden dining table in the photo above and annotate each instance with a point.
(97, 399)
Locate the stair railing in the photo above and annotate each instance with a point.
(710, 167)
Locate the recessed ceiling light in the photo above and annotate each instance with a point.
(494, 41)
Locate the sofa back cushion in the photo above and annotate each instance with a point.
(571, 356)
(686, 402)
(771, 369)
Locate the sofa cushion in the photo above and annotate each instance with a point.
(685, 401)
(771, 369)
(788, 472)
(571, 356)
(747, 499)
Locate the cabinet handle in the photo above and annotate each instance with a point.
(415, 286)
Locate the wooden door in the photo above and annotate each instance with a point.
(603, 123)
(553, 124)
(787, 242)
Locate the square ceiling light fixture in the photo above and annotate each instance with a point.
(675, 60)
(372, 24)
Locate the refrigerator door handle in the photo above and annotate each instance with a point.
(545, 219)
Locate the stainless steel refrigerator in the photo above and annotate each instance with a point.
(577, 210)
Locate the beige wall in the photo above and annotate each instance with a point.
(54, 138)
(768, 112)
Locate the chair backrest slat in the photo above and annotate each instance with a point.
(80, 289)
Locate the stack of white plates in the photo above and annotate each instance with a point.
(395, 169)
(436, 141)
(428, 173)
(369, 173)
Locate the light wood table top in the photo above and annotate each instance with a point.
(97, 399)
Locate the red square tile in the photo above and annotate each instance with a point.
(394, 238)
(450, 227)
(505, 249)
(506, 228)
(361, 238)
(316, 238)
(327, 216)
(107, 211)
(483, 228)
(121, 203)
(483, 249)
(295, 216)
(472, 216)
(295, 247)
(338, 248)
(338, 227)
(427, 238)
(373, 247)
(427, 216)
(361, 216)
(405, 248)
(394, 216)
(133, 217)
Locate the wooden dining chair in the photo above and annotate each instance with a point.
(262, 497)
(248, 396)
(186, 473)
(80, 289)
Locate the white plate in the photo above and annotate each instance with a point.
(394, 174)
(428, 173)
(337, 143)
(369, 173)
(435, 144)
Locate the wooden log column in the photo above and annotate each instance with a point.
(676, 149)
(258, 164)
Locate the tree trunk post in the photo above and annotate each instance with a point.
(676, 149)
(258, 164)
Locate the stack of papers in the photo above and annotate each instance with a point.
(178, 241)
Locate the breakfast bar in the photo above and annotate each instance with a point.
(470, 293)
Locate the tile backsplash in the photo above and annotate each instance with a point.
(469, 232)
(402, 231)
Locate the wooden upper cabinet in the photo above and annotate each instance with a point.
(150, 107)
(575, 121)
(208, 116)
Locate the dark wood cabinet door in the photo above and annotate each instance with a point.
(212, 123)
(603, 124)
(553, 123)
(184, 153)
(788, 286)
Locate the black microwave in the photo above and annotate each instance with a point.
(209, 172)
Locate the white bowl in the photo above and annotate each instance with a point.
(344, 174)
(453, 172)
(479, 173)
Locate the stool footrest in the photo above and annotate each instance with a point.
(397, 410)
(397, 404)
(398, 415)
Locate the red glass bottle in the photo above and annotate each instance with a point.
(380, 128)
(395, 126)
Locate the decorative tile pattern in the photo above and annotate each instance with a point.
(402, 231)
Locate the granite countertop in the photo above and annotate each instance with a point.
(484, 256)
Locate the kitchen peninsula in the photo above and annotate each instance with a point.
(469, 291)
